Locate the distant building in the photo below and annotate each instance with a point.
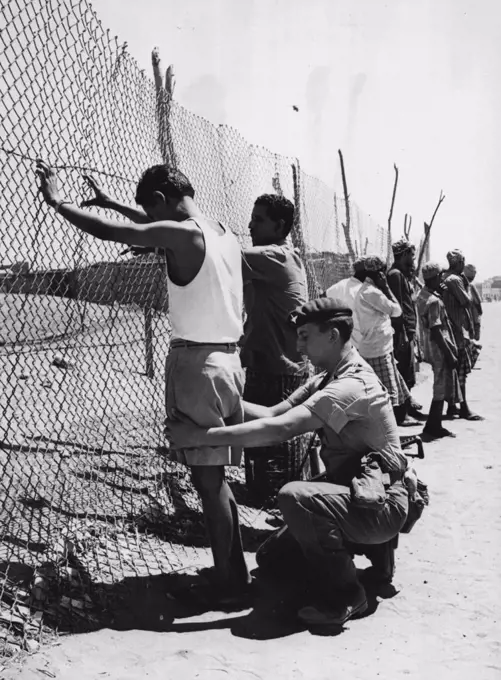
(490, 289)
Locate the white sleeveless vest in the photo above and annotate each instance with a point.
(209, 309)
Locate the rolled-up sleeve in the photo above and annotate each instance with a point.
(338, 403)
(262, 263)
(302, 393)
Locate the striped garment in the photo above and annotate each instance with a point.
(446, 382)
(467, 358)
(386, 370)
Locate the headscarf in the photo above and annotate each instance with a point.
(373, 263)
(455, 256)
(470, 270)
(359, 265)
(431, 269)
(402, 246)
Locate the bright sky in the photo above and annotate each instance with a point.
(411, 82)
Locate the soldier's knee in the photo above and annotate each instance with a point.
(290, 496)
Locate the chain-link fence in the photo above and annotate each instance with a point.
(87, 500)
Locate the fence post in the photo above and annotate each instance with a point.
(148, 342)
(298, 237)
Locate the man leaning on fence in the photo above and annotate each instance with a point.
(204, 377)
(274, 285)
(363, 503)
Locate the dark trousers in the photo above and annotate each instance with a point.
(324, 529)
(405, 357)
(268, 468)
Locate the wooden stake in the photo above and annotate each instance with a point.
(297, 234)
(390, 216)
(346, 226)
(427, 229)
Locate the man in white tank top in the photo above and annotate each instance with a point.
(204, 377)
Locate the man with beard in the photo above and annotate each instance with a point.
(399, 280)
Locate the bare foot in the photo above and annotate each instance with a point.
(430, 434)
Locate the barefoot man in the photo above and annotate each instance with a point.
(204, 378)
(439, 350)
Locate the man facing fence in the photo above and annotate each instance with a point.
(274, 285)
(204, 378)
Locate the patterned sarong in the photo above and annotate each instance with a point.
(386, 370)
(467, 358)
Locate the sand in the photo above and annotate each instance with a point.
(442, 623)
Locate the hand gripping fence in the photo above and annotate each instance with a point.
(90, 508)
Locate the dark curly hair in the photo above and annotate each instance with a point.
(171, 183)
(278, 208)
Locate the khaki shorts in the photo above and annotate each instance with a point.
(205, 383)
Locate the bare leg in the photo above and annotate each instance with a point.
(221, 520)
(433, 427)
(464, 409)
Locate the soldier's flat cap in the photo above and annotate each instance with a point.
(316, 311)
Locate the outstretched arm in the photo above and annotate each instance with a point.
(103, 200)
(256, 411)
(256, 433)
(153, 234)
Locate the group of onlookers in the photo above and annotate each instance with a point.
(400, 321)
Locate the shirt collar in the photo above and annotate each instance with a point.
(346, 362)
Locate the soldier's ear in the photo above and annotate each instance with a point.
(335, 334)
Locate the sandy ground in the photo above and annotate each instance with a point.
(442, 623)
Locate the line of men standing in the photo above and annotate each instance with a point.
(388, 309)
(384, 333)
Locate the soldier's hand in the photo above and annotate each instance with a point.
(411, 482)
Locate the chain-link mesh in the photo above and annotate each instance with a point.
(86, 497)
